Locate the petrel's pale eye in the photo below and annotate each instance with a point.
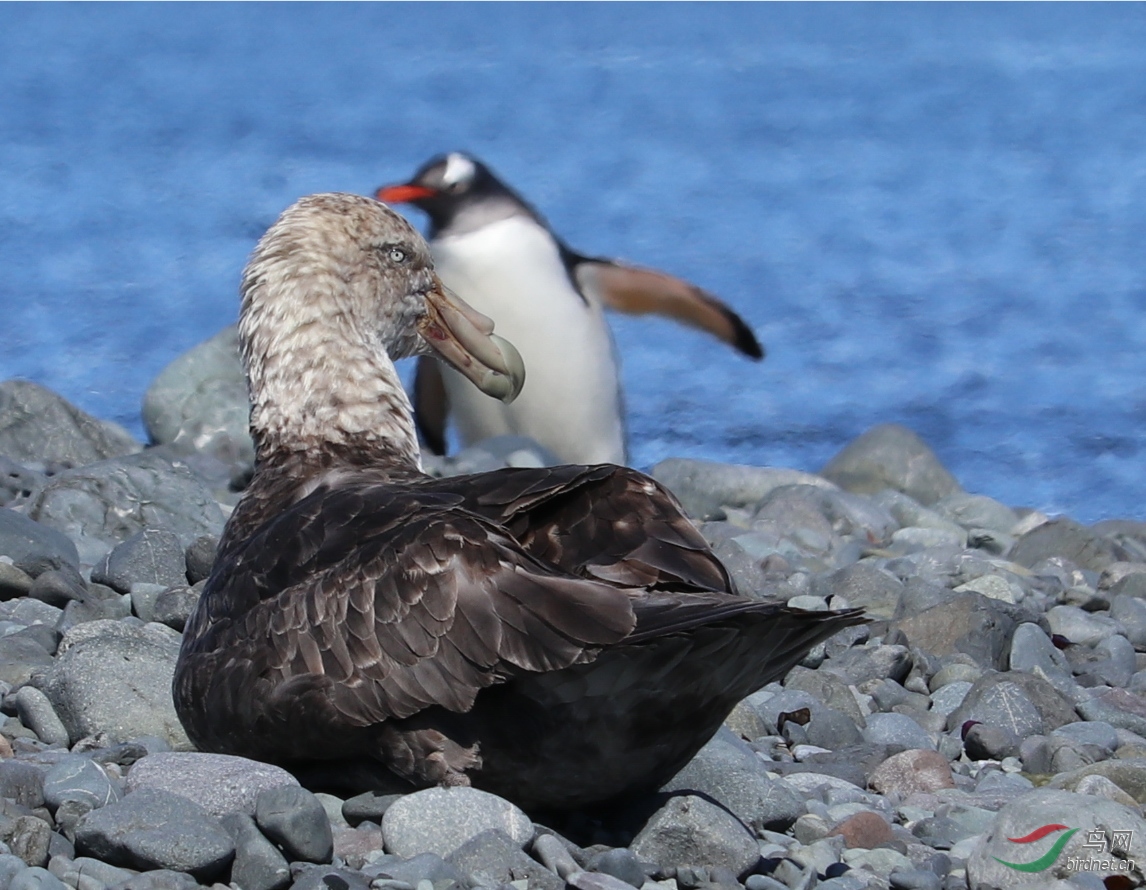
(398, 256)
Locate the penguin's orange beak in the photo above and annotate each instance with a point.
(403, 194)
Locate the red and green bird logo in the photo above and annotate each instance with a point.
(1048, 858)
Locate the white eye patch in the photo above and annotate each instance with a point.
(459, 169)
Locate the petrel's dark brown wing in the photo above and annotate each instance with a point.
(603, 522)
(378, 601)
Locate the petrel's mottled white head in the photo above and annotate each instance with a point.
(338, 287)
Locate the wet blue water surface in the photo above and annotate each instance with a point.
(934, 215)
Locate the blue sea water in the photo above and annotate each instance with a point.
(930, 214)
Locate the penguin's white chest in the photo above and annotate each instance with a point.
(511, 271)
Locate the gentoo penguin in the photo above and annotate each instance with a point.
(559, 636)
(498, 254)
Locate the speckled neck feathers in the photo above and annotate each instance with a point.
(320, 319)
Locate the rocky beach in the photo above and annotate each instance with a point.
(987, 729)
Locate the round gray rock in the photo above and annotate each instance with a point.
(258, 863)
(439, 820)
(1001, 704)
(295, 819)
(79, 779)
(115, 678)
(153, 829)
(199, 401)
(102, 504)
(729, 772)
(691, 831)
(1095, 819)
(33, 547)
(38, 425)
(891, 456)
(219, 783)
(153, 556)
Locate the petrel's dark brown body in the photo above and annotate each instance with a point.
(559, 636)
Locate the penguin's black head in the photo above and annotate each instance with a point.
(458, 192)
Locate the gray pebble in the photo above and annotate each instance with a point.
(863, 585)
(143, 597)
(20, 658)
(33, 547)
(294, 819)
(325, 877)
(13, 582)
(976, 511)
(891, 456)
(763, 882)
(36, 879)
(173, 607)
(1031, 648)
(915, 879)
(88, 870)
(201, 398)
(152, 556)
(1130, 613)
(727, 771)
(220, 783)
(1063, 537)
(114, 678)
(896, 729)
(493, 857)
(439, 820)
(967, 623)
(997, 700)
(79, 779)
(17, 482)
(1120, 661)
(555, 856)
(22, 783)
(152, 829)
(1092, 732)
(948, 697)
(873, 662)
(98, 603)
(418, 869)
(704, 487)
(1119, 708)
(690, 829)
(57, 587)
(622, 864)
(103, 504)
(43, 426)
(988, 742)
(37, 713)
(28, 837)
(258, 864)
(587, 880)
(161, 879)
(368, 805)
(1081, 627)
(200, 557)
